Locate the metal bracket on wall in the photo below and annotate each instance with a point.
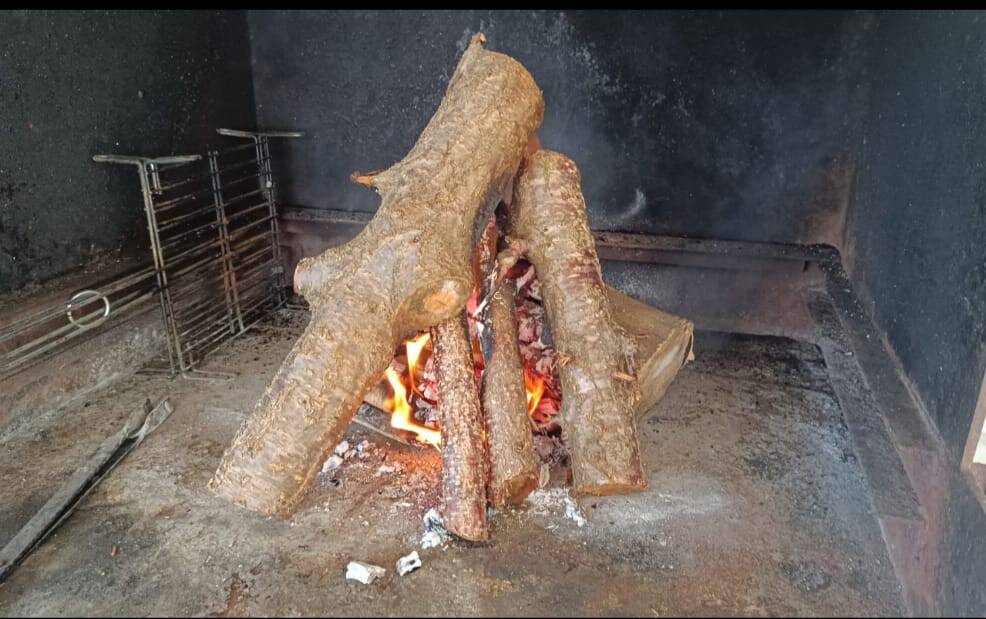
(212, 223)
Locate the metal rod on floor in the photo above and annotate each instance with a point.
(141, 422)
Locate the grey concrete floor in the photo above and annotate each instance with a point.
(756, 506)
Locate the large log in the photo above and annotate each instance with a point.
(599, 389)
(464, 460)
(409, 269)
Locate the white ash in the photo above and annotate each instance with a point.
(536, 348)
(533, 287)
(408, 563)
(363, 572)
(435, 532)
(399, 363)
(432, 539)
(433, 521)
(544, 475)
(385, 469)
(528, 328)
(556, 502)
(332, 463)
(544, 501)
(574, 513)
(342, 448)
(548, 361)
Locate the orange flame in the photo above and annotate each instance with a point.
(401, 419)
(400, 408)
(535, 389)
(414, 348)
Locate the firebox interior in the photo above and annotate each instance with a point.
(806, 188)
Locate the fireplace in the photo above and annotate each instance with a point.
(239, 374)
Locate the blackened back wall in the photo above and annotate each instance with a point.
(716, 125)
(919, 222)
(74, 84)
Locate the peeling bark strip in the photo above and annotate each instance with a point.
(409, 269)
(461, 419)
(663, 344)
(597, 414)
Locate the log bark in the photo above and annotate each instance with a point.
(464, 468)
(662, 341)
(599, 392)
(512, 461)
(409, 269)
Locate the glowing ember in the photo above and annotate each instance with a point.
(401, 419)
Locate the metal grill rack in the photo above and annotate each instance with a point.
(42, 333)
(213, 230)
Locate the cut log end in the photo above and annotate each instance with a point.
(250, 497)
(469, 525)
(513, 490)
(369, 179)
(300, 281)
(432, 303)
(609, 489)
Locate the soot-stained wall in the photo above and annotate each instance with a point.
(716, 125)
(74, 84)
(919, 234)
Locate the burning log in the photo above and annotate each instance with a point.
(408, 270)
(512, 461)
(599, 390)
(663, 344)
(463, 452)
(513, 464)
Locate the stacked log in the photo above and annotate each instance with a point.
(429, 246)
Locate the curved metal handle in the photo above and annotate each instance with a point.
(82, 298)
